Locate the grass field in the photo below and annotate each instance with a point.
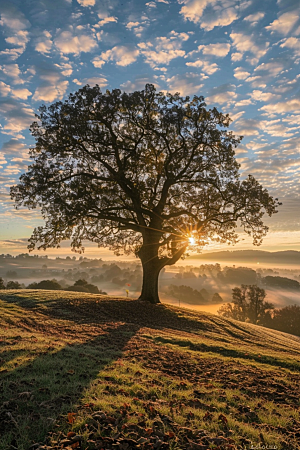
(94, 372)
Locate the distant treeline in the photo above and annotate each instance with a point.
(192, 296)
(125, 275)
(239, 275)
(78, 286)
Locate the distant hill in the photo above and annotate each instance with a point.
(253, 256)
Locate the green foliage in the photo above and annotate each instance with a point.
(242, 275)
(45, 284)
(186, 294)
(192, 296)
(139, 173)
(121, 162)
(281, 282)
(83, 286)
(2, 285)
(13, 285)
(286, 319)
(247, 305)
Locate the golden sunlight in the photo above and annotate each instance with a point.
(192, 241)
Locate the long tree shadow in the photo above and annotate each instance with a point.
(101, 309)
(87, 309)
(35, 395)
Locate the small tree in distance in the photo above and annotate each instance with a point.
(248, 304)
(145, 173)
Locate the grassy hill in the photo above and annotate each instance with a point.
(94, 372)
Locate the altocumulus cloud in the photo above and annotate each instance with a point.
(122, 55)
(75, 40)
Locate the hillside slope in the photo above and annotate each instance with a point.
(91, 372)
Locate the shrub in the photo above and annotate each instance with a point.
(13, 285)
(45, 284)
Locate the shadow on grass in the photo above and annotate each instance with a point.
(98, 310)
(232, 353)
(35, 395)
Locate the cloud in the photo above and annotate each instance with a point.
(186, 84)
(162, 50)
(240, 73)
(21, 93)
(49, 93)
(132, 25)
(193, 9)
(105, 21)
(208, 68)
(247, 127)
(138, 27)
(257, 81)
(244, 102)
(75, 41)
(66, 69)
(19, 40)
(292, 105)
(264, 96)
(284, 23)
(138, 84)
(86, 3)
(272, 68)
(17, 115)
(209, 13)
(2, 162)
(276, 128)
(276, 172)
(101, 81)
(13, 18)
(245, 43)
(51, 85)
(98, 61)
(122, 55)
(225, 93)
(4, 89)
(12, 72)
(292, 119)
(219, 17)
(11, 54)
(236, 56)
(292, 43)
(44, 43)
(215, 49)
(254, 18)
(13, 147)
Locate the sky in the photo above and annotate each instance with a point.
(242, 56)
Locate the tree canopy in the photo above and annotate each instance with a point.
(248, 304)
(146, 172)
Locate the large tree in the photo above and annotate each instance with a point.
(142, 172)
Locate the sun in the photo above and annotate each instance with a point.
(192, 241)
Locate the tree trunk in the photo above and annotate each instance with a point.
(150, 282)
(152, 265)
